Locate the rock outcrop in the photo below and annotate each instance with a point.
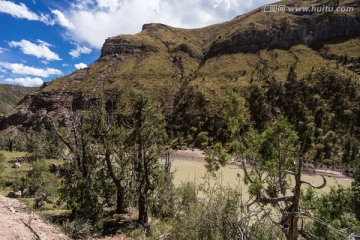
(125, 46)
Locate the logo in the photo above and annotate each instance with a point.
(274, 8)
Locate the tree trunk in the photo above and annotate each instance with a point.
(293, 228)
(143, 214)
(120, 201)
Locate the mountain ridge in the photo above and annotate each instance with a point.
(162, 60)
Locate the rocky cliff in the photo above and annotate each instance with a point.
(191, 69)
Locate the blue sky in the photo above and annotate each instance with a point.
(41, 40)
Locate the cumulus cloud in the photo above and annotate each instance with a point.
(62, 20)
(40, 50)
(94, 21)
(75, 53)
(80, 65)
(21, 69)
(26, 82)
(21, 11)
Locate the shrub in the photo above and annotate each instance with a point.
(77, 229)
(219, 215)
(39, 181)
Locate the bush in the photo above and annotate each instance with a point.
(84, 203)
(219, 215)
(186, 195)
(335, 210)
(77, 229)
(39, 181)
(162, 202)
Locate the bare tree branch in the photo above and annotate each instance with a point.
(308, 236)
(289, 172)
(316, 187)
(62, 138)
(276, 200)
(246, 172)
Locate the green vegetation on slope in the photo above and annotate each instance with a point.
(10, 96)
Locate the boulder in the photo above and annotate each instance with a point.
(17, 165)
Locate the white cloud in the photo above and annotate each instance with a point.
(80, 65)
(65, 65)
(2, 50)
(21, 69)
(18, 11)
(96, 20)
(62, 20)
(40, 50)
(21, 11)
(26, 82)
(109, 3)
(79, 50)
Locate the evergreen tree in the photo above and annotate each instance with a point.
(110, 138)
(146, 142)
(80, 187)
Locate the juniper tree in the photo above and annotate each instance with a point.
(110, 138)
(80, 187)
(146, 143)
(276, 157)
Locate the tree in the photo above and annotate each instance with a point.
(126, 150)
(146, 143)
(110, 140)
(80, 187)
(39, 181)
(276, 156)
(44, 142)
(333, 217)
(258, 108)
(355, 199)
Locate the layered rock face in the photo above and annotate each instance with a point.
(163, 61)
(41, 107)
(307, 30)
(125, 46)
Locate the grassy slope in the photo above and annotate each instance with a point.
(211, 77)
(10, 95)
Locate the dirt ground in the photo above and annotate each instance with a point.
(17, 223)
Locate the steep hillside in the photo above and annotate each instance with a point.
(188, 71)
(10, 96)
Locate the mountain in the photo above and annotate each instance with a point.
(189, 71)
(10, 96)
